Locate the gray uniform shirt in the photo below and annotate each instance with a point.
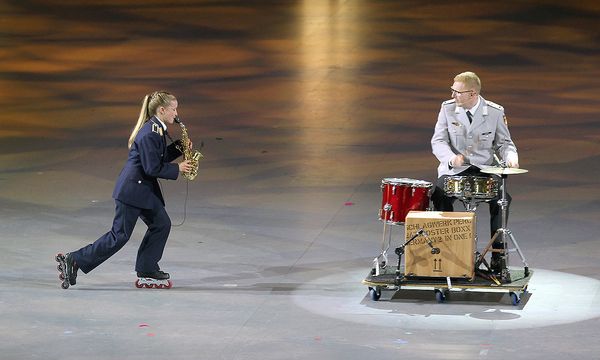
(477, 142)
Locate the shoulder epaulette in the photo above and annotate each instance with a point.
(157, 129)
(448, 102)
(494, 105)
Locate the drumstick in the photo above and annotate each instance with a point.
(501, 163)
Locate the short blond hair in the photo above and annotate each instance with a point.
(470, 79)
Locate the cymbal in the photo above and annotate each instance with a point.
(503, 171)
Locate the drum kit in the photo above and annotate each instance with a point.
(401, 195)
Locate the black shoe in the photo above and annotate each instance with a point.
(71, 270)
(157, 275)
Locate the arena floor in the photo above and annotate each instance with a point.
(303, 108)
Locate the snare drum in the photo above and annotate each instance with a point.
(471, 187)
(401, 195)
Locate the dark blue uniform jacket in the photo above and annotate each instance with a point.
(149, 159)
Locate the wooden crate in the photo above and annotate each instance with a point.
(453, 233)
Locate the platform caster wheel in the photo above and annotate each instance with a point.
(515, 299)
(440, 296)
(375, 293)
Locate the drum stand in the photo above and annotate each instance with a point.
(470, 204)
(381, 260)
(502, 233)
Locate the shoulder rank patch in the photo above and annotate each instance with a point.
(494, 105)
(157, 129)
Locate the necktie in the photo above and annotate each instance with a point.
(470, 116)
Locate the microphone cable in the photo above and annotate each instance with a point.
(187, 192)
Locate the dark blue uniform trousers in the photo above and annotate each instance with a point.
(151, 248)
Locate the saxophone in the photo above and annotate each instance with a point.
(193, 156)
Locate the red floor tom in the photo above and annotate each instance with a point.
(401, 195)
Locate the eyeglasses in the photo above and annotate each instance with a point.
(452, 92)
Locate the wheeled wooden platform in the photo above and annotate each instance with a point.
(388, 280)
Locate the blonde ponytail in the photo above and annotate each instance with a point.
(140, 122)
(149, 107)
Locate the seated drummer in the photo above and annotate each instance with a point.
(468, 132)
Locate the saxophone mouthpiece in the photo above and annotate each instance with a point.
(177, 120)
